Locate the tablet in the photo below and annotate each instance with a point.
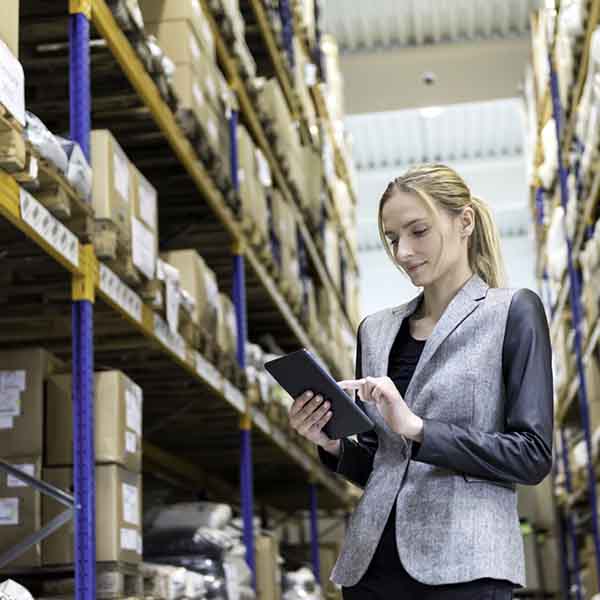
(298, 372)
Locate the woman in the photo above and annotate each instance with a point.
(458, 383)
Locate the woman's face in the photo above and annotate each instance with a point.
(426, 247)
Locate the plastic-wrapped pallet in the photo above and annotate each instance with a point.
(301, 585)
(45, 143)
(11, 590)
(164, 581)
(548, 169)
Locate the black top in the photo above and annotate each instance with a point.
(522, 453)
(404, 356)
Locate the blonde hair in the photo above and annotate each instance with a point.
(439, 186)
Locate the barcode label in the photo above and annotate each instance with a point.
(120, 294)
(52, 231)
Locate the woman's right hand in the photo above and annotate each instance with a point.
(308, 415)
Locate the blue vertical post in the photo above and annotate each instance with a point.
(239, 300)
(575, 297)
(82, 324)
(287, 30)
(314, 533)
(569, 524)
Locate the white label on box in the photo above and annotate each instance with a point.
(143, 248)
(120, 294)
(208, 372)
(131, 505)
(133, 409)
(264, 172)
(241, 175)
(12, 84)
(6, 422)
(198, 95)
(171, 340)
(148, 204)
(48, 228)
(213, 131)
(310, 74)
(173, 302)
(121, 174)
(129, 539)
(196, 7)
(12, 481)
(10, 403)
(9, 511)
(212, 88)
(194, 47)
(12, 379)
(130, 442)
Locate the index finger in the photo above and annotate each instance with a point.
(351, 384)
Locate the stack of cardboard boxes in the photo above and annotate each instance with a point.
(253, 176)
(12, 88)
(213, 312)
(285, 231)
(184, 34)
(118, 453)
(125, 206)
(37, 436)
(23, 377)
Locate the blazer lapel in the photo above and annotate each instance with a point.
(461, 306)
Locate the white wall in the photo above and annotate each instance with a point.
(501, 183)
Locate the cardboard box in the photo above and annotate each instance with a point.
(312, 188)
(284, 221)
(112, 194)
(144, 224)
(180, 42)
(268, 577)
(23, 374)
(20, 512)
(161, 11)
(117, 421)
(227, 332)
(12, 84)
(199, 281)
(332, 252)
(193, 96)
(272, 101)
(118, 517)
(252, 191)
(9, 25)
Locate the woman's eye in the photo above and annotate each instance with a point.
(420, 232)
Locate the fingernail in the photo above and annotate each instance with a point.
(319, 399)
(327, 405)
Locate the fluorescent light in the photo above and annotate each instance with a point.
(431, 112)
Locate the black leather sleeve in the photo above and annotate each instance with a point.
(355, 461)
(522, 453)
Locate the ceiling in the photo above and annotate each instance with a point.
(435, 81)
(470, 131)
(378, 24)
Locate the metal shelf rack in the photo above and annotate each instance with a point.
(103, 306)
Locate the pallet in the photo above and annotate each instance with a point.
(113, 249)
(114, 580)
(52, 189)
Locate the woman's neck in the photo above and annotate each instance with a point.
(440, 293)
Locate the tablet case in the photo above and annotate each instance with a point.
(298, 372)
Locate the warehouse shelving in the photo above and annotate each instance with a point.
(251, 116)
(124, 302)
(296, 109)
(111, 325)
(569, 299)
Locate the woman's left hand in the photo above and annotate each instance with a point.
(382, 392)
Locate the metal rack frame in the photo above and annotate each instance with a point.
(85, 284)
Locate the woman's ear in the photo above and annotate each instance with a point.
(467, 221)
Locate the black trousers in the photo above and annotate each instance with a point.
(387, 579)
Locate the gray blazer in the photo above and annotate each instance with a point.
(454, 521)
